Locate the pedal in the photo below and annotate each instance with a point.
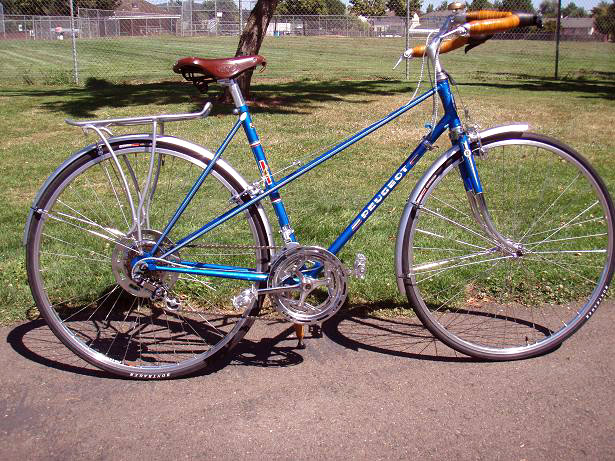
(360, 266)
(173, 304)
(244, 299)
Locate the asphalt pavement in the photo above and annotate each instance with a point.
(368, 389)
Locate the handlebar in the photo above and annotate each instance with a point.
(445, 47)
(481, 23)
(486, 14)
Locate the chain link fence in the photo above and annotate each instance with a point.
(42, 42)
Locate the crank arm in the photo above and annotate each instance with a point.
(264, 291)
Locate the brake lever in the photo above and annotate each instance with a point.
(473, 42)
(405, 55)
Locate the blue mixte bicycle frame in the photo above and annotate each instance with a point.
(450, 120)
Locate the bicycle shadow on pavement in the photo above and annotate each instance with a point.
(298, 97)
(35, 342)
(363, 327)
(357, 328)
(400, 336)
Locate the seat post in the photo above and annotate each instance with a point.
(235, 91)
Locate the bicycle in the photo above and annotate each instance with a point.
(129, 278)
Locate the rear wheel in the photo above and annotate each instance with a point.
(82, 241)
(524, 298)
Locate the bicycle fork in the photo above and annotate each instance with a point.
(476, 197)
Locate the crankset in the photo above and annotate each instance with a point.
(307, 284)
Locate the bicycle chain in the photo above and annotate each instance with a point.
(243, 247)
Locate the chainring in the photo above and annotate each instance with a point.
(315, 280)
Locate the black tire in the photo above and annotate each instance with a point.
(78, 250)
(487, 302)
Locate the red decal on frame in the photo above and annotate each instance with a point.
(265, 171)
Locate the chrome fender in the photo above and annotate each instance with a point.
(484, 135)
(204, 154)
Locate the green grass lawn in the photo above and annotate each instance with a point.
(151, 58)
(312, 94)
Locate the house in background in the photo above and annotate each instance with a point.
(579, 29)
(138, 17)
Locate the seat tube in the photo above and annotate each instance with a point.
(261, 161)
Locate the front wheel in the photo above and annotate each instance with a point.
(523, 298)
(82, 240)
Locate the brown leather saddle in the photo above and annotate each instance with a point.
(202, 71)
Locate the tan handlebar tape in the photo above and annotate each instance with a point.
(490, 26)
(447, 45)
(487, 14)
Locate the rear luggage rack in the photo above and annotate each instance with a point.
(145, 120)
(139, 207)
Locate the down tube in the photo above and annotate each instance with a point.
(388, 187)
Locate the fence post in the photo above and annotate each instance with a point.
(240, 18)
(74, 41)
(407, 38)
(557, 32)
(2, 27)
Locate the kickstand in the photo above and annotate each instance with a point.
(299, 331)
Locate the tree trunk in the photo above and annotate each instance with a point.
(251, 40)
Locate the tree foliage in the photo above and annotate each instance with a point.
(335, 7)
(573, 11)
(480, 5)
(517, 5)
(399, 6)
(604, 18)
(54, 7)
(548, 8)
(443, 6)
(368, 7)
(311, 7)
(430, 8)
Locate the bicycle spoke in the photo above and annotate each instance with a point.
(527, 245)
(557, 230)
(551, 205)
(439, 271)
(117, 199)
(580, 223)
(433, 234)
(455, 223)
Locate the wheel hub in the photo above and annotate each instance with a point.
(142, 284)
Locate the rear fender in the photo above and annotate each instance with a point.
(162, 141)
